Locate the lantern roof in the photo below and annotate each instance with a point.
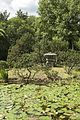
(50, 54)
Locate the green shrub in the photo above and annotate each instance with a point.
(69, 59)
(61, 56)
(3, 72)
(72, 60)
(22, 61)
(4, 75)
(52, 75)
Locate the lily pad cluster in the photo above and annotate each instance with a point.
(52, 102)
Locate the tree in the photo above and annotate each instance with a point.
(3, 45)
(22, 46)
(21, 15)
(61, 18)
(13, 25)
(18, 26)
(4, 16)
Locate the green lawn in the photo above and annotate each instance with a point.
(34, 102)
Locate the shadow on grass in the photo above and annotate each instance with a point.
(29, 81)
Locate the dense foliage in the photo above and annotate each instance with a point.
(57, 29)
(61, 18)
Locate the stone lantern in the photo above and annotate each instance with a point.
(50, 59)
